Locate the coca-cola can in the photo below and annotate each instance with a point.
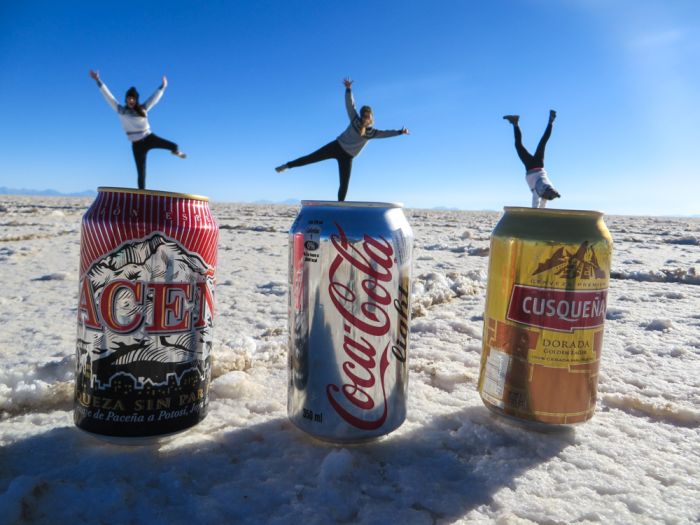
(145, 313)
(544, 317)
(349, 316)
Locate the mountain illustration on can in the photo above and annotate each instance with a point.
(145, 313)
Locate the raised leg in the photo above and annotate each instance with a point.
(326, 152)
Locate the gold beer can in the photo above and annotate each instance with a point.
(546, 296)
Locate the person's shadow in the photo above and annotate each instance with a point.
(272, 472)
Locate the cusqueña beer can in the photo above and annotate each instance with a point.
(544, 317)
(349, 315)
(145, 313)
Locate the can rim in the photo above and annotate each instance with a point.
(157, 193)
(551, 211)
(352, 204)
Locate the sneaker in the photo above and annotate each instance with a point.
(280, 169)
(513, 119)
(180, 154)
(550, 194)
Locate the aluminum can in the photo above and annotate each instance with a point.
(145, 313)
(544, 316)
(349, 315)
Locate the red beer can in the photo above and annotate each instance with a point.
(145, 313)
(349, 315)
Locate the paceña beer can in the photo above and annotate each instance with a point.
(545, 309)
(145, 313)
(349, 314)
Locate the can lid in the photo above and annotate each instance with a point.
(109, 189)
(552, 211)
(353, 204)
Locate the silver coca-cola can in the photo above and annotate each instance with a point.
(349, 315)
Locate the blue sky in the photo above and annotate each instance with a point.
(254, 84)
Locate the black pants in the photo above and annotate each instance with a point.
(332, 150)
(143, 146)
(536, 160)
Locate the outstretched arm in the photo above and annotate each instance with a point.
(155, 97)
(383, 134)
(106, 93)
(349, 100)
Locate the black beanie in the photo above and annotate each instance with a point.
(131, 92)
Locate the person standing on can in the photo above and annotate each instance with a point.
(535, 175)
(134, 119)
(348, 144)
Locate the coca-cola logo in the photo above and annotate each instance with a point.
(559, 310)
(366, 311)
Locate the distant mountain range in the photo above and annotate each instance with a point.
(45, 193)
(91, 193)
(289, 202)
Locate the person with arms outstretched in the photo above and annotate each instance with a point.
(348, 144)
(134, 120)
(535, 174)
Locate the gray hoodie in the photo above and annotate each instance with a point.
(350, 139)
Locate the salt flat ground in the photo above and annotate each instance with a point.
(636, 461)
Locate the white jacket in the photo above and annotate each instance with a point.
(538, 181)
(135, 125)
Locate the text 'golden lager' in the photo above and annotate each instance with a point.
(545, 311)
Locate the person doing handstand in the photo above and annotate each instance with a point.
(134, 120)
(348, 144)
(535, 175)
